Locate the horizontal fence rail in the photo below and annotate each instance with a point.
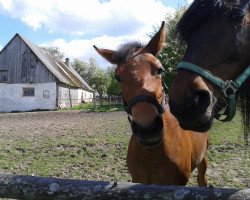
(43, 188)
(113, 101)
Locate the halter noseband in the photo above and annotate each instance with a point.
(228, 87)
(149, 99)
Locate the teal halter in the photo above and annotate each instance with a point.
(228, 87)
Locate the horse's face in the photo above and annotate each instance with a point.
(139, 74)
(218, 40)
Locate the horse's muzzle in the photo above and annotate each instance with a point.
(196, 112)
(148, 136)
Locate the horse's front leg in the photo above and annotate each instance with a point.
(202, 168)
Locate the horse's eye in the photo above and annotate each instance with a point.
(159, 71)
(117, 78)
(237, 14)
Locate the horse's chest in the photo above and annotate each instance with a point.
(153, 171)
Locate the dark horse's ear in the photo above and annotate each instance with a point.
(106, 53)
(157, 42)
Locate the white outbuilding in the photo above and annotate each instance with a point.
(32, 79)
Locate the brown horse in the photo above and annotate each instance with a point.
(159, 152)
(215, 69)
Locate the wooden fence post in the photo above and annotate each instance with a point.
(241, 195)
(41, 188)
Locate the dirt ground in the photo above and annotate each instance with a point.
(30, 128)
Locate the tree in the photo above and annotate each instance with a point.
(102, 81)
(54, 51)
(114, 88)
(82, 69)
(174, 48)
(91, 72)
(98, 79)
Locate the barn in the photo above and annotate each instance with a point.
(32, 79)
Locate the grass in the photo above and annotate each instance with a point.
(227, 132)
(93, 146)
(94, 151)
(228, 156)
(65, 157)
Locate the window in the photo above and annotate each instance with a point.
(3, 75)
(28, 92)
(45, 93)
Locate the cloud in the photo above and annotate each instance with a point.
(1, 47)
(190, 1)
(89, 17)
(83, 48)
(103, 23)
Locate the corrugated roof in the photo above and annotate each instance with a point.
(66, 74)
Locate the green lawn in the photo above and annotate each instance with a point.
(80, 145)
(228, 154)
(227, 132)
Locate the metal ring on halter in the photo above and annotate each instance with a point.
(230, 88)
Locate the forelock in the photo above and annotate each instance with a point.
(125, 51)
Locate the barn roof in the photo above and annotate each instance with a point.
(66, 74)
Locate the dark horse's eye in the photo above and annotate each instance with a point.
(117, 78)
(237, 14)
(159, 71)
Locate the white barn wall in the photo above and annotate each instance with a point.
(87, 96)
(76, 95)
(11, 98)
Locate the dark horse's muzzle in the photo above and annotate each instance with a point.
(152, 134)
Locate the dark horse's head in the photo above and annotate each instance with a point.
(139, 74)
(217, 34)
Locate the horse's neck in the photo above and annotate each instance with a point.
(155, 153)
(170, 123)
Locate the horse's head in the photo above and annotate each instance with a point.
(217, 34)
(139, 74)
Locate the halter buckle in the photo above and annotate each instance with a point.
(230, 88)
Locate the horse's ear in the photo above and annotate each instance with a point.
(157, 42)
(106, 53)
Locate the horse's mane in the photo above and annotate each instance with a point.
(199, 13)
(245, 107)
(125, 51)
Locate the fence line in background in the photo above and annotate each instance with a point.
(113, 101)
(110, 101)
(43, 188)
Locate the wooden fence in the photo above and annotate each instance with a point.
(43, 188)
(110, 101)
(96, 102)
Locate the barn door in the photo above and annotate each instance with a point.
(28, 67)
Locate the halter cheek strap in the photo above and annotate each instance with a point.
(228, 87)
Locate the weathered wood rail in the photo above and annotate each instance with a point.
(43, 188)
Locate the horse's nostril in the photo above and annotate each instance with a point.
(200, 99)
(195, 100)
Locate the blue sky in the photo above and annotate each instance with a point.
(75, 25)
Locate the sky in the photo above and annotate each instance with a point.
(76, 25)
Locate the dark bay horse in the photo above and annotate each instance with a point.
(159, 152)
(215, 70)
